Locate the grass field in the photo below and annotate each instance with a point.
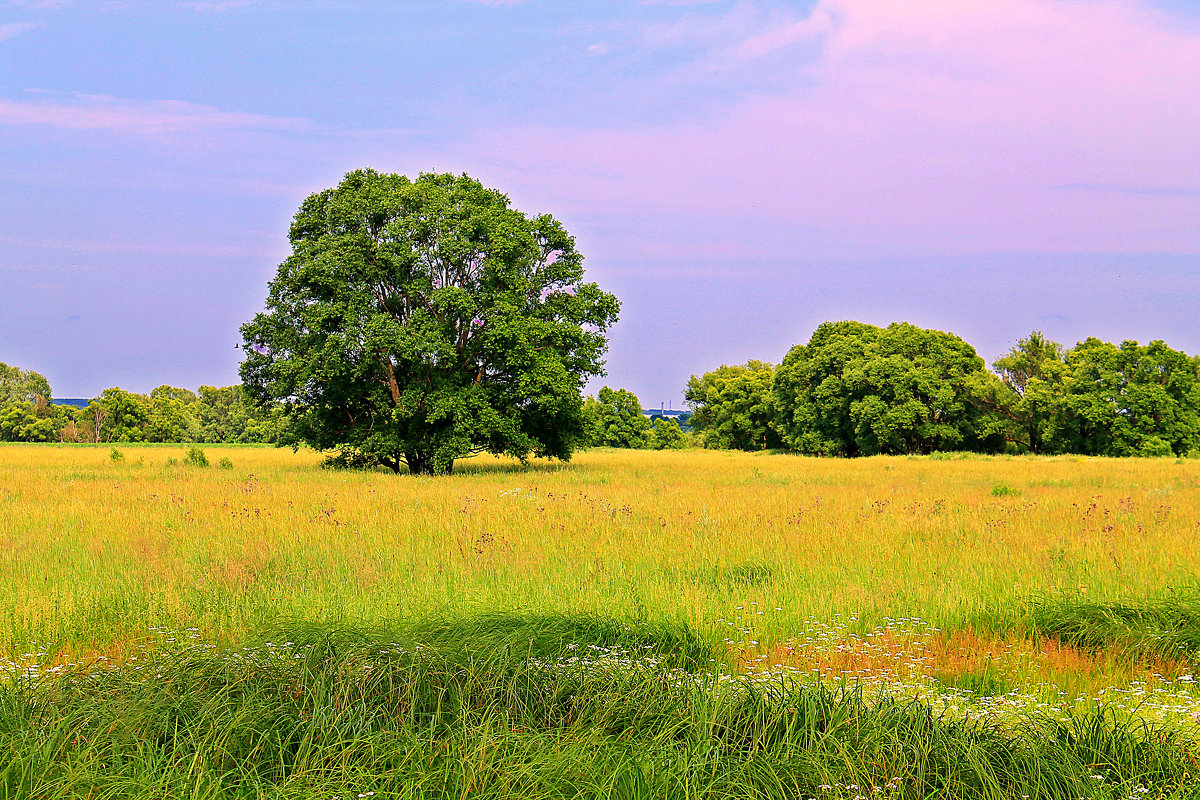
(682, 601)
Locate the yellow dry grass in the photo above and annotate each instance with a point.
(94, 552)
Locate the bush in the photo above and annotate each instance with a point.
(195, 458)
(1004, 490)
(225, 463)
(116, 455)
(1155, 447)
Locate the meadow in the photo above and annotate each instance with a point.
(630, 624)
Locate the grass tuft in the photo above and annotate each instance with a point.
(1167, 628)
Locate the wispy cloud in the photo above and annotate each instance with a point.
(220, 5)
(140, 118)
(937, 125)
(41, 5)
(58, 5)
(1140, 191)
(126, 247)
(12, 29)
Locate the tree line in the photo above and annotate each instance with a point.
(212, 414)
(856, 390)
(853, 390)
(420, 321)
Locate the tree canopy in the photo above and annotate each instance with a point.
(1029, 372)
(733, 406)
(856, 389)
(18, 384)
(666, 434)
(614, 419)
(420, 321)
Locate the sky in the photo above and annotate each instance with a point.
(735, 171)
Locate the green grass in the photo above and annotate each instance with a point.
(511, 706)
(1166, 628)
(633, 624)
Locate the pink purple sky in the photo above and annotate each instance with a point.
(736, 171)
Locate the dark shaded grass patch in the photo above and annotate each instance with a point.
(1166, 628)
(516, 706)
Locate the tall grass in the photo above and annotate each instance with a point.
(1165, 628)
(271, 629)
(513, 706)
(93, 552)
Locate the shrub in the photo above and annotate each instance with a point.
(116, 455)
(225, 463)
(195, 458)
(1004, 490)
(1155, 447)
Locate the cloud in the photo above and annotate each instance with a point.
(12, 29)
(220, 5)
(927, 126)
(58, 5)
(1144, 191)
(203, 6)
(159, 248)
(140, 118)
(42, 5)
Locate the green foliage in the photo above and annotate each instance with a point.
(733, 407)
(1101, 399)
(168, 414)
(195, 457)
(856, 389)
(19, 385)
(22, 421)
(226, 414)
(225, 463)
(1004, 490)
(614, 419)
(118, 416)
(665, 434)
(172, 416)
(349, 458)
(25, 411)
(422, 321)
(1118, 400)
(116, 455)
(1165, 628)
(1033, 358)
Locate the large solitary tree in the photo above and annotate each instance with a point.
(421, 321)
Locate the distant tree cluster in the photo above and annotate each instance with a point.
(614, 419)
(167, 414)
(853, 390)
(856, 389)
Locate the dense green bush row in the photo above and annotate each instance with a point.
(853, 389)
(167, 414)
(857, 389)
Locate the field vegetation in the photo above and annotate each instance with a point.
(631, 624)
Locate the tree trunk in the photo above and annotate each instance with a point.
(422, 464)
(418, 463)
